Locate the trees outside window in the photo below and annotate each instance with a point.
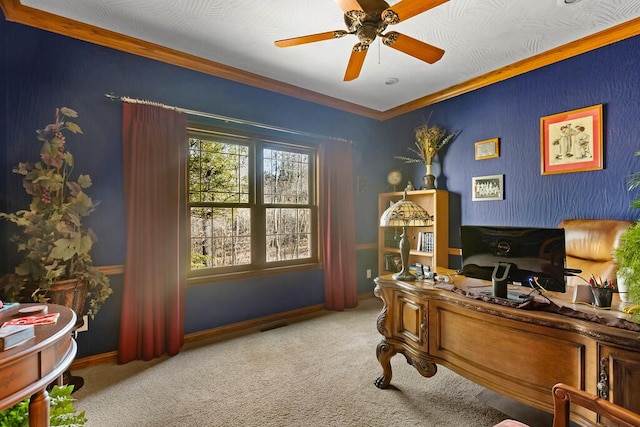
(252, 204)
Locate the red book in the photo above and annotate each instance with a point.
(45, 319)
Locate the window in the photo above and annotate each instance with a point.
(252, 203)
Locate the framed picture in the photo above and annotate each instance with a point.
(489, 187)
(392, 263)
(571, 141)
(487, 149)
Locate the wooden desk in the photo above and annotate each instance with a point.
(518, 353)
(27, 369)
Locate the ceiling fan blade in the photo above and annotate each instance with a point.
(311, 38)
(356, 60)
(407, 9)
(421, 50)
(347, 5)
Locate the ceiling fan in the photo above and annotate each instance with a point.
(368, 19)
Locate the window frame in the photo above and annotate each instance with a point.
(256, 142)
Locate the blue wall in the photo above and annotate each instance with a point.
(511, 110)
(43, 70)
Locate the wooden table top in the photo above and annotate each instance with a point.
(31, 366)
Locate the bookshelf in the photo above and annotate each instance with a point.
(434, 240)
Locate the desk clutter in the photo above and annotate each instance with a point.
(17, 330)
(551, 307)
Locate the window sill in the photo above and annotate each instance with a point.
(226, 277)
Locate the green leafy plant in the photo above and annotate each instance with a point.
(53, 241)
(61, 411)
(627, 253)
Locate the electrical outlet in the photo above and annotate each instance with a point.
(85, 324)
(368, 273)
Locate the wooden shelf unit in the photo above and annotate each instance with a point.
(436, 203)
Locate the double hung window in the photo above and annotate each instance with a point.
(252, 203)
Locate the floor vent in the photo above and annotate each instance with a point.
(271, 326)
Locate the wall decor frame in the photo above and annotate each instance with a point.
(572, 141)
(485, 188)
(487, 149)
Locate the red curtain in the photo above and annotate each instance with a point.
(154, 158)
(338, 220)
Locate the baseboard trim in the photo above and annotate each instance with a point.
(221, 331)
(97, 359)
(112, 356)
(252, 324)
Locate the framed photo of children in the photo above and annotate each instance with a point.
(571, 141)
(487, 188)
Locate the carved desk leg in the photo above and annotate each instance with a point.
(384, 353)
(426, 369)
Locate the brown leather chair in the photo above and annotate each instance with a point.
(564, 396)
(590, 244)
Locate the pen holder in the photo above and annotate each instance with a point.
(602, 296)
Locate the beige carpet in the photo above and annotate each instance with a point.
(315, 372)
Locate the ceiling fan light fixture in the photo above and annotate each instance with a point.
(391, 81)
(367, 33)
(367, 20)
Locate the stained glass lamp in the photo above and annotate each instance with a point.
(405, 213)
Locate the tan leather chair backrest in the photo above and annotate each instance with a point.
(590, 244)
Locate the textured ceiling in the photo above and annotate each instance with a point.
(478, 36)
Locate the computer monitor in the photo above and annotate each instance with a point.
(514, 255)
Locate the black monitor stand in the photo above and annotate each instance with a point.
(500, 282)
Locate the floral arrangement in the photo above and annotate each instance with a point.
(428, 140)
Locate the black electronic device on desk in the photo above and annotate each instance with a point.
(527, 256)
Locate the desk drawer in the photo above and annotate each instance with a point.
(410, 319)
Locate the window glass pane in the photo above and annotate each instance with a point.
(220, 237)
(288, 234)
(218, 171)
(286, 177)
(226, 205)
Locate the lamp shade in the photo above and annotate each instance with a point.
(405, 213)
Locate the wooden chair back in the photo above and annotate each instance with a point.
(564, 396)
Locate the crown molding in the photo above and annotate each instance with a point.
(586, 44)
(14, 11)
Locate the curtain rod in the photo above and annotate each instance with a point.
(113, 97)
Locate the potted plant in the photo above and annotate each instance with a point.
(61, 411)
(56, 262)
(428, 141)
(627, 253)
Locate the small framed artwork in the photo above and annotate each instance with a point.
(571, 141)
(489, 187)
(392, 263)
(487, 149)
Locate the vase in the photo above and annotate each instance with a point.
(622, 285)
(429, 180)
